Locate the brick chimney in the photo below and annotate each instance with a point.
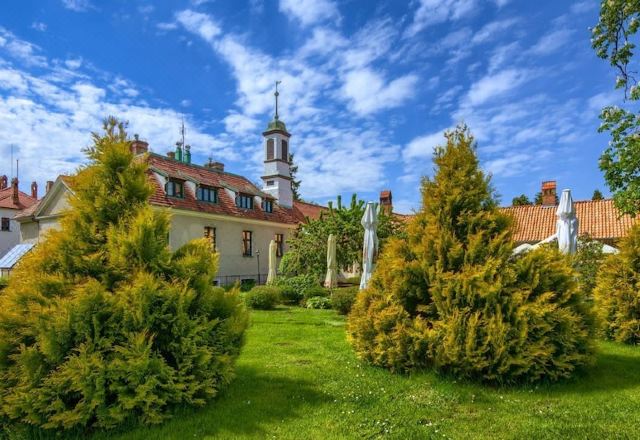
(215, 166)
(138, 146)
(34, 190)
(386, 201)
(16, 192)
(549, 197)
(3, 182)
(49, 186)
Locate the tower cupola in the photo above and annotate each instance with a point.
(277, 172)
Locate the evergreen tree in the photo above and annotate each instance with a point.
(521, 200)
(616, 293)
(450, 295)
(102, 324)
(295, 184)
(597, 195)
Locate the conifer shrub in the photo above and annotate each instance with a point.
(342, 299)
(101, 324)
(451, 296)
(617, 291)
(262, 297)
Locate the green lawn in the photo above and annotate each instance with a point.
(297, 378)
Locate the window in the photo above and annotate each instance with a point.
(270, 182)
(285, 151)
(267, 205)
(246, 243)
(207, 194)
(270, 149)
(5, 224)
(210, 234)
(174, 188)
(279, 245)
(244, 201)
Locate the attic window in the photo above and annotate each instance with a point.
(267, 205)
(244, 201)
(207, 194)
(174, 188)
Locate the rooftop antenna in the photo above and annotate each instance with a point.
(17, 169)
(182, 130)
(276, 94)
(11, 164)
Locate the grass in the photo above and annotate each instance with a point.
(297, 378)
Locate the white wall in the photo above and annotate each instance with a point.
(9, 239)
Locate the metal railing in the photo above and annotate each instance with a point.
(227, 280)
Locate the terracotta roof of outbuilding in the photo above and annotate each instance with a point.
(206, 176)
(308, 210)
(24, 200)
(598, 218)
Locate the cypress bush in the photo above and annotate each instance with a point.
(617, 291)
(451, 296)
(101, 324)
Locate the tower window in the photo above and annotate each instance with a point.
(207, 194)
(6, 224)
(270, 182)
(210, 234)
(247, 239)
(270, 149)
(244, 201)
(285, 151)
(174, 188)
(279, 245)
(267, 205)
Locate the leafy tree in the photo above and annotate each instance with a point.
(102, 325)
(450, 294)
(597, 195)
(307, 248)
(616, 294)
(613, 41)
(295, 184)
(521, 200)
(586, 262)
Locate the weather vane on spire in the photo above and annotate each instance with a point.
(276, 94)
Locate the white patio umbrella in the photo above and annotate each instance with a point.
(331, 280)
(369, 223)
(271, 276)
(567, 224)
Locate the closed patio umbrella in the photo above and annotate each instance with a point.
(370, 248)
(331, 280)
(567, 224)
(271, 276)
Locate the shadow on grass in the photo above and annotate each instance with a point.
(252, 405)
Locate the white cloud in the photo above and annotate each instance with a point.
(493, 30)
(39, 26)
(493, 86)
(199, 23)
(20, 49)
(431, 12)
(421, 148)
(368, 92)
(551, 42)
(77, 5)
(237, 123)
(73, 63)
(309, 12)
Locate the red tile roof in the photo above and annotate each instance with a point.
(308, 210)
(24, 200)
(226, 205)
(598, 218)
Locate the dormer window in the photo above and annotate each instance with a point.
(174, 188)
(267, 205)
(207, 194)
(244, 201)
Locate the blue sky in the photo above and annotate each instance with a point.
(368, 87)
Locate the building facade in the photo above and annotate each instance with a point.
(12, 202)
(238, 219)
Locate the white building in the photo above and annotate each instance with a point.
(12, 202)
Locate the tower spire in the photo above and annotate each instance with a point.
(276, 94)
